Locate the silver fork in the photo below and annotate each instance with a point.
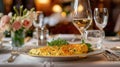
(111, 55)
(13, 56)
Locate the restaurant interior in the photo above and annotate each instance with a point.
(64, 7)
(59, 33)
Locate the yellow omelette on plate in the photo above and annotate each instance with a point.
(64, 50)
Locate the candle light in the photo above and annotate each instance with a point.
(57, 8)
(43, 1)
(80, 8)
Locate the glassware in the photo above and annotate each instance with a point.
(36, 24)
(41, 30)
(18, 38)
(82, 15)
(94, 37)
(101, 18)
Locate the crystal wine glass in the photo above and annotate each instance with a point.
(101, 18)
(41, 30)
(82, 16)
(36, 23)
(38, 19)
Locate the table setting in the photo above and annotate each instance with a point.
(96, 59)
(89, 48)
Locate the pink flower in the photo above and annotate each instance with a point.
(27, 23)
(16, 25)
(4, 22)
(5, 19)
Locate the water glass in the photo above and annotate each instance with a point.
(94, 37)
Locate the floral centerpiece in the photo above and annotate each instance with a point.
(18, 23)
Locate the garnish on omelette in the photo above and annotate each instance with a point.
(62, 49)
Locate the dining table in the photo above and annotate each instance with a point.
(23, 60)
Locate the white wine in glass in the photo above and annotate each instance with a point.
(82, 15)
(82, 23)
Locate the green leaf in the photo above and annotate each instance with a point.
(88, 44)
(15, 9)
(32, 9)
(25, 11)
(58, 42)
(21, 9)
(89, 47)
(83, 41)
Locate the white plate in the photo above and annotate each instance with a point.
(112, 38)
(65, 58)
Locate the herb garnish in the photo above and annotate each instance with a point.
(58, 42)
(88, 44)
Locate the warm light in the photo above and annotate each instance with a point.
(8, 2)
(63, 14)
(80, 8)
(57, 8)
(43, 1)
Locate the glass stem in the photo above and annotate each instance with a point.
(82, 35)
(0, 43)
(103, 33)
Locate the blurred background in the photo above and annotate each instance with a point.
(58, 13)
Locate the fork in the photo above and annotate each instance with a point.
(13, 56)
(111, 55)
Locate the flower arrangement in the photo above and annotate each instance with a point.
(22, 19)
(18, 23)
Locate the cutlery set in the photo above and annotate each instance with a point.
(111, 55)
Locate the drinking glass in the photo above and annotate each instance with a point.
(41, 30)
(101, 18)
(36, 23)
(38, 19)
(94, 37)
(82, 16)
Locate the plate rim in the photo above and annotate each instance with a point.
(95, 52)
(110, 38)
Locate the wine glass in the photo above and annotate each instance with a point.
(41, 30)
(82, 16)
(38, 19)
(36, 23)
(101, 18)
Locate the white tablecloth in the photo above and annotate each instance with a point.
(93, 61)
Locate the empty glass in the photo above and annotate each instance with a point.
(36, 23)
(94, 37)
(101, 18)
(41, 32)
